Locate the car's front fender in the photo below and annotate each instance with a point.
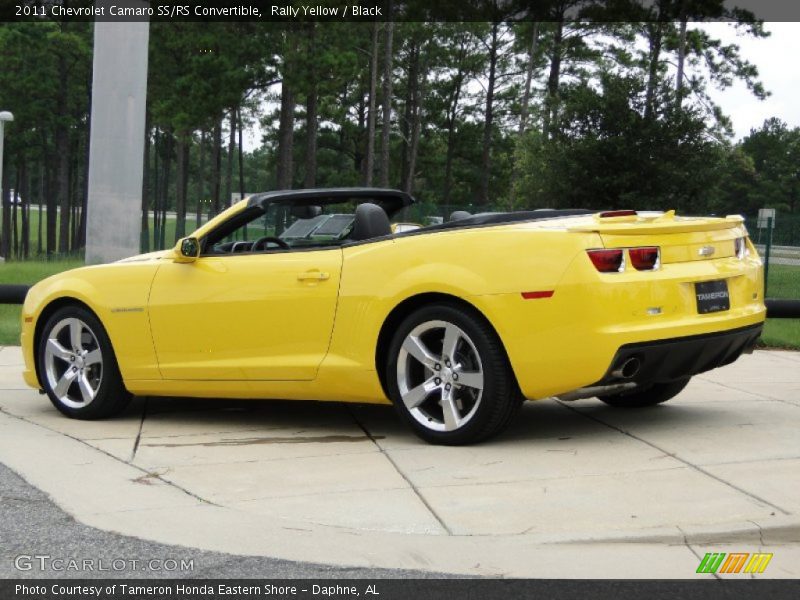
(117, 294)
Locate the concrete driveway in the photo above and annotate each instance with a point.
(572, 490)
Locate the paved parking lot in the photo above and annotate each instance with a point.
(572, 490)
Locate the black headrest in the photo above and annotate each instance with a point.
(370, 222)
(457, 215)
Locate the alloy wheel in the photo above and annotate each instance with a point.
(73, 363)
(440, 375)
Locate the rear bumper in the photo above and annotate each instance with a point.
(676, 358)
(569, 340)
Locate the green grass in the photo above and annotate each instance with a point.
(24, 273)
(784, 282)
(781, 333)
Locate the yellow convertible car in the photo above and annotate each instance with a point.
(308, 294)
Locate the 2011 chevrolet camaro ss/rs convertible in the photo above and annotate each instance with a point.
(308, 294)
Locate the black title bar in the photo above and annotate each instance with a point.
(398, 10)
(393, 589)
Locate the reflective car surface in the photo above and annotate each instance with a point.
(310, 294)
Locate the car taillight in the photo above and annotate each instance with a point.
(608, 261)
(740, 245)
(612, 260)
(645, 258)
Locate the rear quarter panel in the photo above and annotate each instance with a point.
(554, 344)
(487, 267)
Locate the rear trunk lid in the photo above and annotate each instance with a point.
(681, 239)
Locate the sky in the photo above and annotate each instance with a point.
(777, 58)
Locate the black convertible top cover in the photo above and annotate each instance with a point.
(389, 200)
(508, 217)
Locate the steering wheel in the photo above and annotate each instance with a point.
(267, 239)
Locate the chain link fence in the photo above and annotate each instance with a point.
(781, 253)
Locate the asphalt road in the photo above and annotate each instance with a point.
(31, 524)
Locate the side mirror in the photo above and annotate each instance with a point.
(187, 250)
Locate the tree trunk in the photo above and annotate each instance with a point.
(144, 239)
(369, 165)
(181, 184)
(14, 227)
(413, 150)
(358, 154)
(24, 191)
(165, 180)
(229, 164)
(286, 138)
(84, 199)
(656, 35)
(240, 148)
(452, 113)
(312, 101)
(216, 167)
(5, 243)
(416, 126)
(488, 121)
(63, 155)
(41, 211)
(681, 63)
(409, 112)
(46, 212)
(451, 135)
(74, 198)
(343, 100)
(524, 108)
(386, 112)
(526, 94)
(552, 100)
(156, 188)
(201, 181)
(312, 126)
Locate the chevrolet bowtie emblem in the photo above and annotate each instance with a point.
(706, 251)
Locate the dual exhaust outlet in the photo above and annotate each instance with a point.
(628, 369)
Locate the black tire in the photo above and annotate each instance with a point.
(650, 396)
(478, 349)
(105, 381)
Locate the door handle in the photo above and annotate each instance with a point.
(314, 275)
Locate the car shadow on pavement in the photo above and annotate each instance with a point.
(541, 420)
(538, 421)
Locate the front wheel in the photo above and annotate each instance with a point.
(654, 394)
(77, 366)
(449, 377)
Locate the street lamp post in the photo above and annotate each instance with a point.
(4, 116)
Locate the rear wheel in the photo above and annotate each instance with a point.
(77, 366)
(654, 394)
(449, 377)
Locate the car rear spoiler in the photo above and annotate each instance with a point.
(655, 224)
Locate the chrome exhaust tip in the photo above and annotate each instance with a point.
(628, 369)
